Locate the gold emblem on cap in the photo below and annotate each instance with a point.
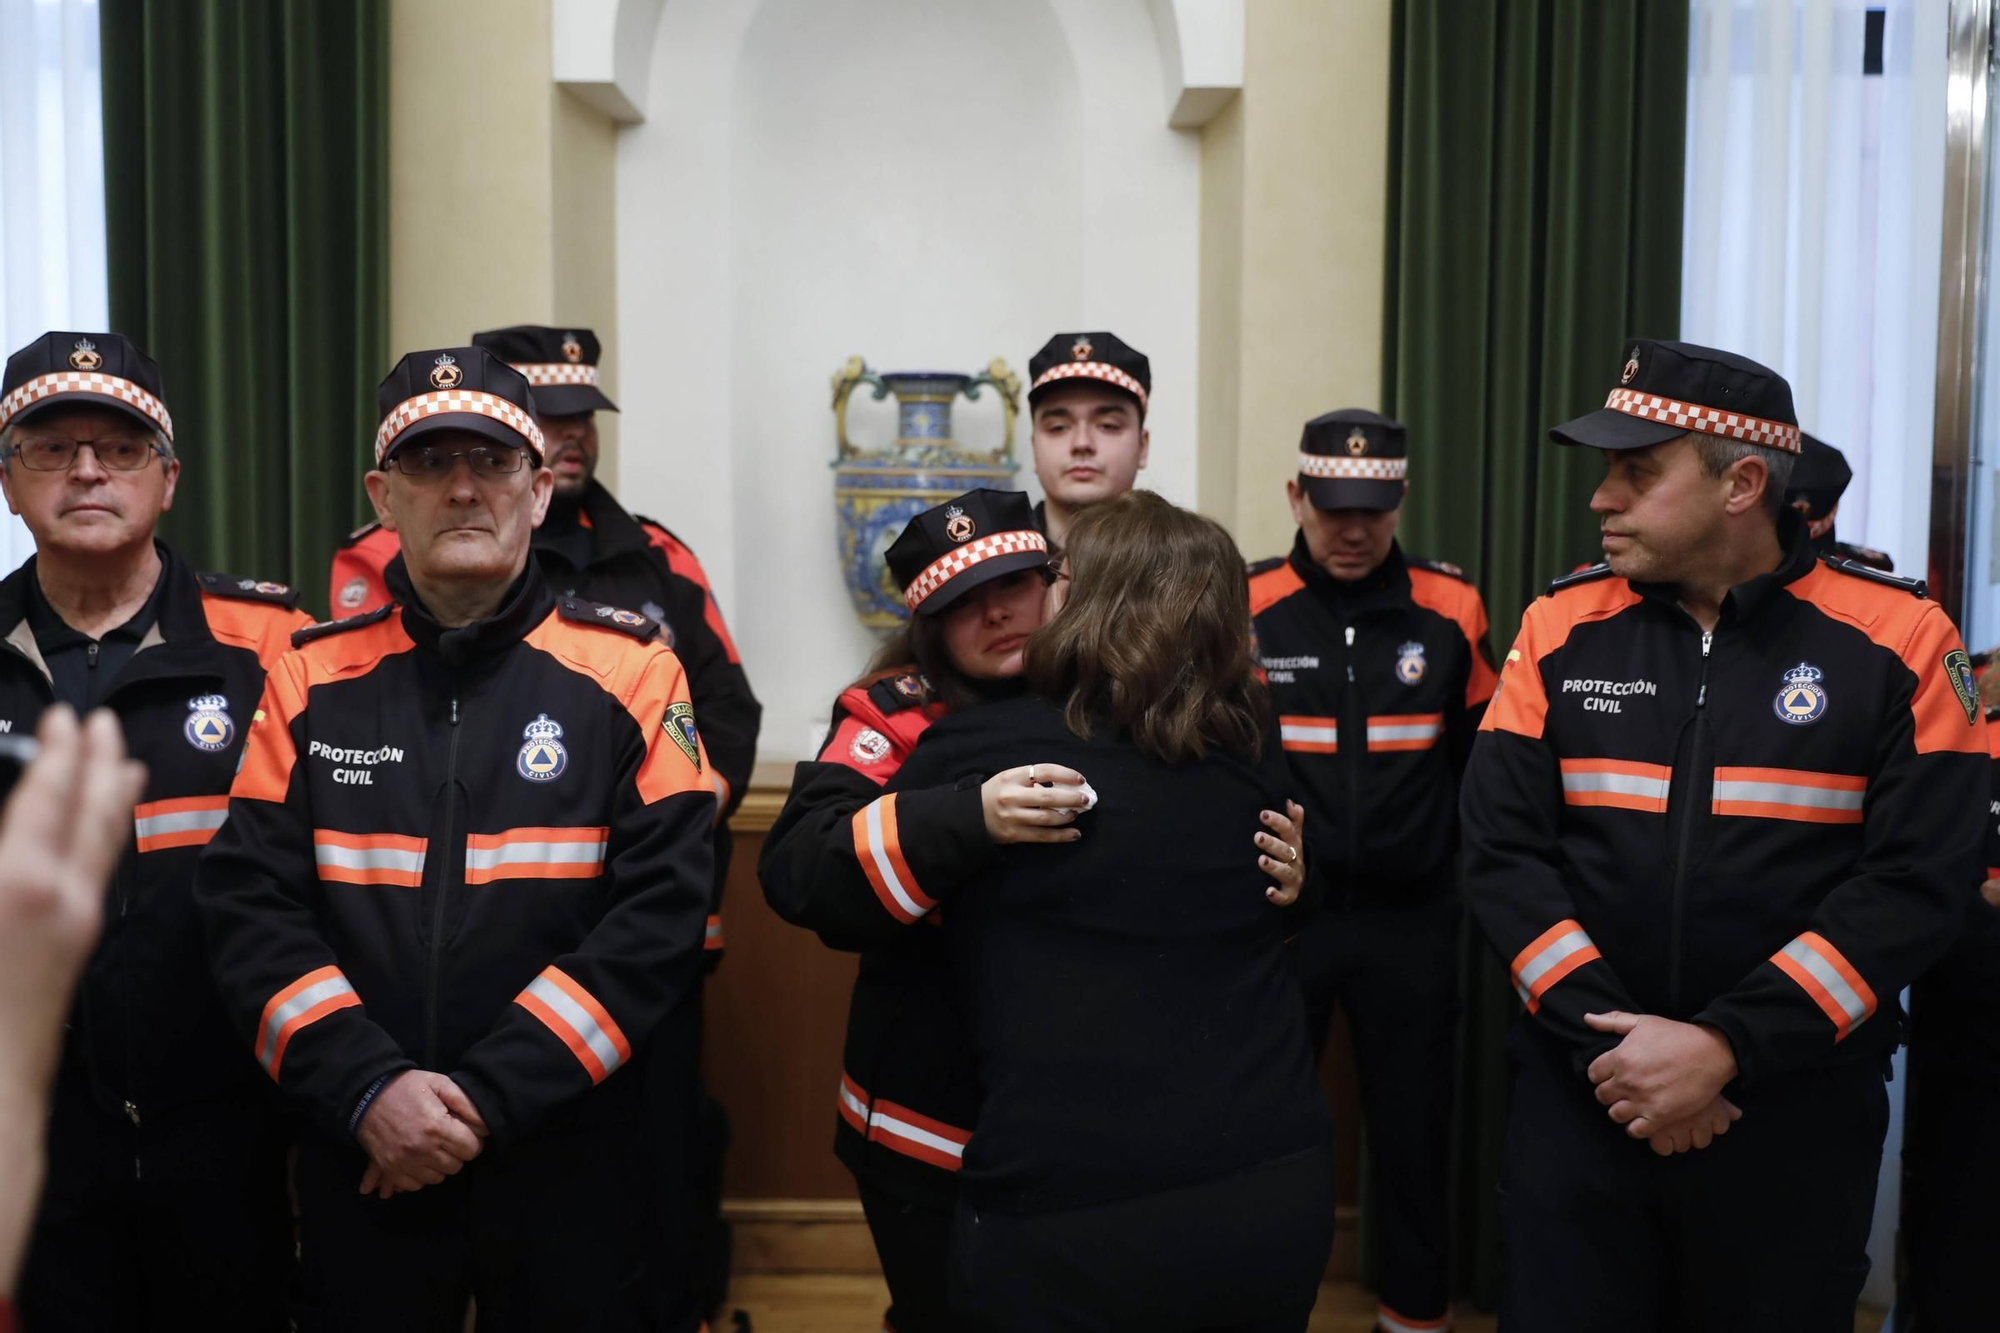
(1081, 349)
(1631, 367)
(957, 525)
(85, 357)
(1357, 443)
(445, 373)
(572, 350)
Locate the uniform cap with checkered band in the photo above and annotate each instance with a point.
(1353, 459)
(455, 388)
(950, 549)
(1818, 479)
(1666, 389)
(1090, 357)
(560, 364)
(95, 369)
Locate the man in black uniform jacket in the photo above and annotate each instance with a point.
(1726, 804)
(465, 874)
(1378, 666)
(166, 1189)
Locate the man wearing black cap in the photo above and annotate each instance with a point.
(1087, 395)
(1726, 804)
(166, 1158)
(1819, 476)
(465, 872)
(1378, 666)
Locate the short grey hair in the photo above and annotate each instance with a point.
(1718, 452)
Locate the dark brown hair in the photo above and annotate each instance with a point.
(919, 646)
(1155, 636)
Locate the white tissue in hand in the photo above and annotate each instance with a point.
(1089, 798)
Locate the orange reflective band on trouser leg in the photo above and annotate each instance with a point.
(1556, 952)
(879, 848)
(711, 937)
(902, 1130)
(575, 1016)
(299, 1005)
(1832, 982)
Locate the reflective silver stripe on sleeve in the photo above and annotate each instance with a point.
(579, 1021)
(296, 1007)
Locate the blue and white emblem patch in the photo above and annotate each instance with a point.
(1410, 665)
(1802, 699)
(208, 726)
(542, 757)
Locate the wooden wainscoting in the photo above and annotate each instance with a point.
(776, 1014)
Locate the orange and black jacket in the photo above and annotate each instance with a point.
(636, 564)
(1771, 828)
(865, 869)
(1379, 686)
(147, 1030)
(481, 851)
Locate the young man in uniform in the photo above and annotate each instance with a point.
(1087, 396)
(166, 1188)
(1378, 666)
(465, 874)
(1727, 803)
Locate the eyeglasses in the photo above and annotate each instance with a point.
(52, 453)
(429, 462)
(1051, 575)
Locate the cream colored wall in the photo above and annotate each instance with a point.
(1299, 331)
(501, 186)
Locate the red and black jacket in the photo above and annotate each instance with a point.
(147, 1030)
(1379, 686)
(1771, 828)
(865, 869)
(637, 564)
(481, 851)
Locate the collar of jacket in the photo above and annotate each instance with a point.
(614, 532)
(526, 605)
(1388, 584)
(1747, 599)
(180, 635)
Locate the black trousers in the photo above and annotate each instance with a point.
(1394, 972)
(913, 1241)
(543, 1235)
(1767, 1228)
(686, 1243)
(181, 1221)
(1951, 1137)
(1243, 1253)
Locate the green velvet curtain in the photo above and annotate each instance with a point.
(246, 160)
(1536, 158)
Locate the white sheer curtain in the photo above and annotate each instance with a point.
(52, 273)
(1813, 216)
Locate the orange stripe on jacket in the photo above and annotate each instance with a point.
(1789, 793)
(269, 753)
(1460, 602)
(648, 680)
(536, 853)
(1919, 633)
(1520, 703)
(1272, 586)
(682, 562)
(578, 1020)
(187, 821)
(312, 997)
(879, 849)
(265, 628)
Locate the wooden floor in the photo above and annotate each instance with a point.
(828, 1304)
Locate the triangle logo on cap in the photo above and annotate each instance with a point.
(1357, 443)
(86, 356)
(1081, 349)
(1631, 367)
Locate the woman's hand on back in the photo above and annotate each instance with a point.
(1282, 853)
(1034, 803)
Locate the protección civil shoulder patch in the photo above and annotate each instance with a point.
(1958, 666)
(679, 724)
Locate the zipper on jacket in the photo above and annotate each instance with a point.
(437, 907)
(1688, 793)
(1353, 743)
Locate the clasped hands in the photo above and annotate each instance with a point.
(1664, 1080)
(420, 1128)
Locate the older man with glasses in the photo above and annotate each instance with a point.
(165, 1190)
(465, 874)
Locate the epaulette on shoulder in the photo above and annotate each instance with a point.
(894, 693)
(1855, 569)
(249, 590)
(302, 637)
(576, 610)
(365, 530)
(1864, 555)
(1588, 574)
(1256, 567)
(1444, 567)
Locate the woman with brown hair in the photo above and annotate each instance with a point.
(1151, 1151)
(864, 868)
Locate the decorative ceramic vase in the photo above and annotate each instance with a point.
(878, 491)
